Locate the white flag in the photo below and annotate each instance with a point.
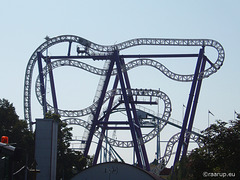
(210, 112)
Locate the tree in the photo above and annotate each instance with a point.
(69, 162)
(17, 132)
(220, 155)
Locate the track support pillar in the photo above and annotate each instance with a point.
(194, 93)
(122, 79)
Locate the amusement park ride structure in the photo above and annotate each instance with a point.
(121, 97)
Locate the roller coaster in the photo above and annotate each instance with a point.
(121, 97)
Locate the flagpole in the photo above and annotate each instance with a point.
(209, 112)
(183, 112)
(208, 118)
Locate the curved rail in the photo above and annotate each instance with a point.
(114, 142)
(93, 49)
(130, 65)
(104, 148)
(138, 92)
(92, 108)
(169, 148)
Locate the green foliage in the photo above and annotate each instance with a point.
(155, 162)
(181, 171)
(222, 146)
(15, 129)
(69, 162)
(64, 133)
(17, 132)
(220, 153)
(8, 117)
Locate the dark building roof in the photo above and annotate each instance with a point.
(115, 171)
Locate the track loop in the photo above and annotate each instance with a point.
(169, 148)
(95, 49)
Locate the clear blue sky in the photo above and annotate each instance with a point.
(24, 25)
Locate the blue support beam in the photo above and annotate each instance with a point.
(190, 125)
(136, 121)
(52, 84)
(69, 48)
(96, 115)
(189, 105)
(158, 153)
(109, 57)
(114, 122)
(128, 110)
(42, 86)
(132, 124)
(105, 123)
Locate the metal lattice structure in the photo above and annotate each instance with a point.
(95, 49)
(169, 150)
(116, 67)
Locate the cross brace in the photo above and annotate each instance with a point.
(132, 123)
(191, 106)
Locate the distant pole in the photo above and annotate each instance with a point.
(158, 135)
(209, 113)
(208, 119)
(183, 108)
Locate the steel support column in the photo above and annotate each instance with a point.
(42, 86)
(69, 48)
(105, 124)
(190, 125)
(128, 110)
(52, 84)
(132, 117)
(189, 105)
(158, 141)
(138, 130)
(100, 103)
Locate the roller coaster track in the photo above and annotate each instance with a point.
(90, 109)
(169, 148)
(171, 121)
(112, 142)
(130, 65)
(97, 96)
(134, 92)
(95, 49)
(195, 135)
(111, 152)
(128, 144)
